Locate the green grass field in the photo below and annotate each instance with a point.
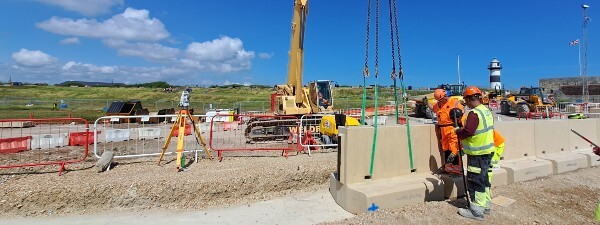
(88, 102)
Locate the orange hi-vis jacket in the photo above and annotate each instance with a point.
(449, 138)
(498, 139)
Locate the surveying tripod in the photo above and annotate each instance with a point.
(180, 123)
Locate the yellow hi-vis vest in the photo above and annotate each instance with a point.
(482, 142)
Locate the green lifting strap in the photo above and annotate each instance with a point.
(404, 106)
(364, 101)
(396, 100)
(375, 132)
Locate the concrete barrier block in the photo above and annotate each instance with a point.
(499, 177)
(519, 142)
(421, 140)
(551, 136)
(582, 127)
(355, 150)
(391, 153)
(436, 156)
(389, 193)
(593, 159)
(453, 186)
(598, 130)
(526, 169)
(566, 161)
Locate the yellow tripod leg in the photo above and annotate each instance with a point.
(168, 141)
(199, 136)
(181, 140)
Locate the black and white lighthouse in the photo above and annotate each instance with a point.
(495, 68)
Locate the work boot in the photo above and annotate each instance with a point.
(487, 211)
(470, 213)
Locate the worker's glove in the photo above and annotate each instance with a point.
(450, 158)
(597, 151)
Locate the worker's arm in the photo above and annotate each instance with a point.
(470, 126)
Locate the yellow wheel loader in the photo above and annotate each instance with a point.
(529, 99)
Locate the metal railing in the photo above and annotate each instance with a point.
(43, 142)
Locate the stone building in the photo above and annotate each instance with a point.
(571, 88)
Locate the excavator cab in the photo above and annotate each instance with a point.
(321, 96)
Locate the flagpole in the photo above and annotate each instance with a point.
(579, 56)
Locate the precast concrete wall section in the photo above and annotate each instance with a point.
(533, 149)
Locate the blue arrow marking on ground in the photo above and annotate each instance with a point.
(373, 208)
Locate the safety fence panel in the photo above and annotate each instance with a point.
(42, 142)
(311, 136)
(146, 135)
(254, 133)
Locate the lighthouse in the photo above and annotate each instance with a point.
(495, 68)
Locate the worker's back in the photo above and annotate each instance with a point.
(443, 112)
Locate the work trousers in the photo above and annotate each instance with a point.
(478, 182)
(494, 162)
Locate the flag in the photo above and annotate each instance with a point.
(575, 42)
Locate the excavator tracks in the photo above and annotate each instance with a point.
(269, 129)
(260, 130)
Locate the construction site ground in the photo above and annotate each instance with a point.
(264, 187)
(141, 189)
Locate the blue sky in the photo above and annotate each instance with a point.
(235, 41)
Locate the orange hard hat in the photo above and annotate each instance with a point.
(471, 90)
(439, 94)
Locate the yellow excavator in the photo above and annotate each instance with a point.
(292, 99)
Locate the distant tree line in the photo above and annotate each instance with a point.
(239, 86)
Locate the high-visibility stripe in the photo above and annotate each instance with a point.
(485, 125)
(480, 148)
(486, 129)
(473, 169)
(481, 113)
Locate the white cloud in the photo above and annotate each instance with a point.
(264, 55)
(133, 25)
(28, 58)
(85, 7)
(77, 67)
(222, 55)
(149, 51)
(70, 41)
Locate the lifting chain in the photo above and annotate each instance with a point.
(365, 72)
(393, 75)
(401, 74)
(376, 38)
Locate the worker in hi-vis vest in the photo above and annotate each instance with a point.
(477, 138)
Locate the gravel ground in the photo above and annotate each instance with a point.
(569, 198)
(141, 184)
